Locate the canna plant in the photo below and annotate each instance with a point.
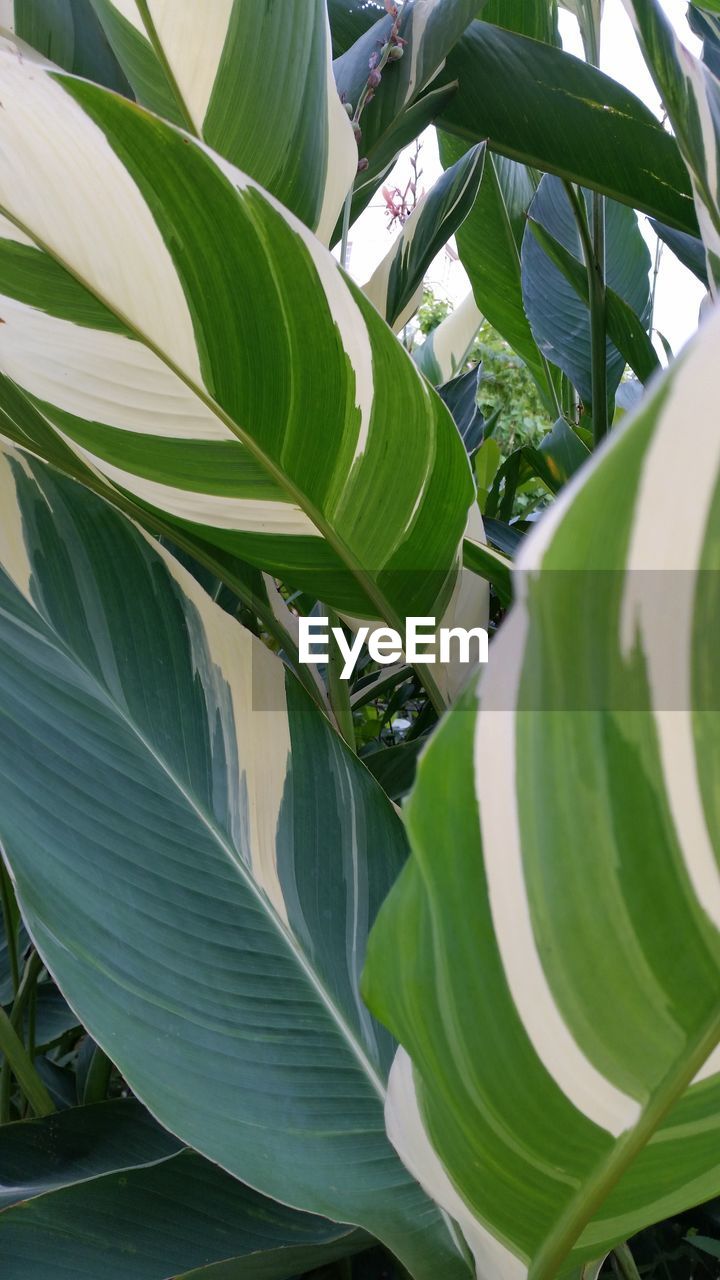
(258, 1018)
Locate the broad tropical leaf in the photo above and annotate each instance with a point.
(691, 94)
(67, 32)
(460, 395)
(103, 1190)
(233, 379)
(252, 79)
(395, 287)
(627, 332)
(446, 348)
(196, 856)
(524, 96)
(489, 243)
(549, 959)
(559, 317)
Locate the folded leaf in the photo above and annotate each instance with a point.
(489, 243)
(523, 96)
(196, 857)
(691, 94)
(395, 287)
(447, 347)
(261, 429)
(254, 81)
(67, 32)
(565, 1078)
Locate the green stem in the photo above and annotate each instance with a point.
(9, 925)
(28, 984)
(595, 267)
(625, 1263)
(20, 1063)
(98, 1077)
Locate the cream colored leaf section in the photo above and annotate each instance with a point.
(193, 37)
(244, 685)
(15, 559)
(81, 203)
(100, 376)
(342, 153)
(677, 546)
(496, 785)
(406, 1130)
(251, 515)
(454, 337)
(130, 12)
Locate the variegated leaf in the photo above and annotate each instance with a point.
(254, 80)
(196, 856)
(446, 348)
(550, 957)
(68, 32)
(193, 342)
(691, 94)
(395, 287)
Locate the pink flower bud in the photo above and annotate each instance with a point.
(374, 79)
(363, 164)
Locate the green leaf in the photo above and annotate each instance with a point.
(689, 249)
(395, 287)
(691, 95)
(394, 767)
(254, 81)
(489, 243)
(191, 400)
(67, 32)
(492, 565)
(460, 395)
(349, 19)
(559, 1082)
(73, 1147)
(170, 802)
(706, 1244)
(523, 96)
(102, 1192)
(624, 326)
(558, 313)
(487, 461)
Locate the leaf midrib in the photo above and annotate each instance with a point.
(284, 482)
(236, 861)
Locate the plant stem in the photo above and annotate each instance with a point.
(19, 1062)
(9, 918)
(98, 1077)
(31, 973)
(596, 291)
(625, 1263)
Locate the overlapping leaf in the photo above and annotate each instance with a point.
(395, 287)
(67, 32)
(196, 856)
(556, 983)
(197, 346)
(524, 96)
(691, 94)
(251, 79)
(446, 348)
(559, 317)
(103, 1190)
(489, 243)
